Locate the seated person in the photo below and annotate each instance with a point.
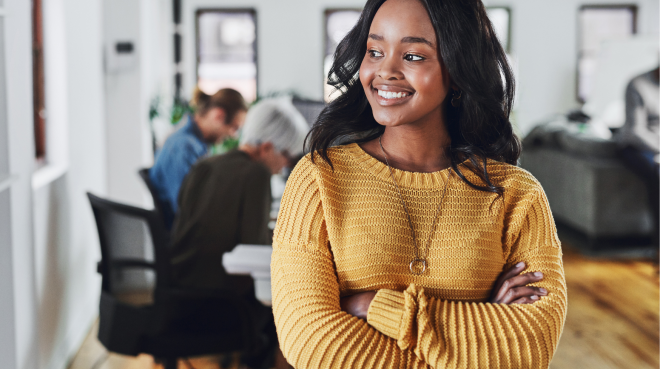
(639, 138)
(226, 200)
(216, 118)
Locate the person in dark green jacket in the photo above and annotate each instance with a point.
(224, 201)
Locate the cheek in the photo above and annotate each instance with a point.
(431, 85)
(366, 74)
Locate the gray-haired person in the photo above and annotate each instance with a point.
(225, 200)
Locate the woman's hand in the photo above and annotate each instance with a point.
(358, 304)
(511, 287)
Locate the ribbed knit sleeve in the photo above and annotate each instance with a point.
(453, 334)
(312, 330)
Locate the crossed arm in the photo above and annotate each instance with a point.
(409, 329)
(406, 329)
(510, 288)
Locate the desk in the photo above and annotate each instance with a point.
(253, 260)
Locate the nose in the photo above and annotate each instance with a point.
(233, 130)
(390, 68)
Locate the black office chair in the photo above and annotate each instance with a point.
(155, 328)
(163, 209)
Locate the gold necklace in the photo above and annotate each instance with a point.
(418, 264)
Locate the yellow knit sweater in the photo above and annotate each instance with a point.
(345, 231)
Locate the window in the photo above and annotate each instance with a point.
(338, 23)
(500, 17)
(598, 24)
(38, 90)
(227, 51)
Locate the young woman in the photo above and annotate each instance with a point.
(387, 251)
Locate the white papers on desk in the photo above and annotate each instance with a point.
(253, 260)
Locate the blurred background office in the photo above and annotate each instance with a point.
(91, 89)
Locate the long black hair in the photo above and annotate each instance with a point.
(479, 126)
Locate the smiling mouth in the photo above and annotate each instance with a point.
(392, 95)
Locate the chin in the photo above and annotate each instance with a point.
(388, 119)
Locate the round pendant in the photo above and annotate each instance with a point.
(418, 266)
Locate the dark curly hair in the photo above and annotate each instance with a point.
(479, 127)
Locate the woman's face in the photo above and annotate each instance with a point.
(401, 73)
(217, 128)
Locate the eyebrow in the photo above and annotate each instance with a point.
(405, 40)
(416, 40)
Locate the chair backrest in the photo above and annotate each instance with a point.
(163, 209)
(132, 239)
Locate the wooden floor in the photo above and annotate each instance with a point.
(612, 321)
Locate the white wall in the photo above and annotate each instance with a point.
(128, 91)
(65, 243)
(18, 310)
(97, 137)
(290, 47)
(124, 104)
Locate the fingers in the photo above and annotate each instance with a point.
(524, 279)
(526, 300)
(357, 304)
(514, 271)
(516, 281)
(521, 292)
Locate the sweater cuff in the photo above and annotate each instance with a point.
(386, 312)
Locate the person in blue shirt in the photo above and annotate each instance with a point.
(215, 118)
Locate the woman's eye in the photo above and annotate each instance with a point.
(375, 54)
(412, 57)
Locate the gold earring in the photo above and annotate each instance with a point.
(455, 98)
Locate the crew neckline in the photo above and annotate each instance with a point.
(431, 180)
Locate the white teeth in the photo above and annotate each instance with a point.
(392, 95)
